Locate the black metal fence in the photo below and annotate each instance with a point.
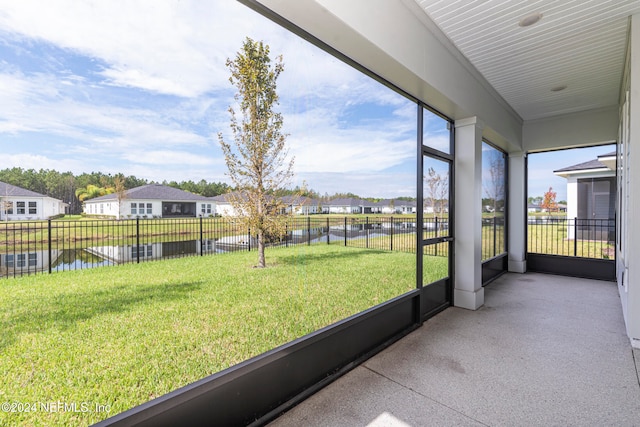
(493, 237)
(585, 238)
(31, 247)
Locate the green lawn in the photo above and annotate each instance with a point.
(553, 240)
(120, 336)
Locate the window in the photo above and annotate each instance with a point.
(101, 208)
(21, 260)
(9, 260)
(33, 260)
(494, 179)
(142, 250)
(350, 134)
(8, 207)
(33, 208)
(20, 208)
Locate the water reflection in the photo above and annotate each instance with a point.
(42, 261)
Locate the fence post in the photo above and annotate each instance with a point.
(137, 240)
(391, 244)
(575, 236)
(328, 230)
(345, 231)
(494, 235)
(308, 231)
(286, 234)
(49, 242)
(366, 230)
(249, 238)
(201, 239)
(437, 226)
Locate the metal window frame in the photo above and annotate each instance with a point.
(248, 393)
(496, 266)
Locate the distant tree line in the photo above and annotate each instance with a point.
(65, 185)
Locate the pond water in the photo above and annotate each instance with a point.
(22, 262)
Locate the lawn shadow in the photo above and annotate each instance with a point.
(65, 311)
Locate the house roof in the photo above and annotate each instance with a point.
(396, 203)
(222, 198)
(350, 201)
(154, 192)
(226, 198)
(303, 200)
(591, 164)
(612, 154)
(14, 191)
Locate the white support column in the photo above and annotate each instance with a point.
(517, 213)
(632, 255)
(468, 290)
(572, 206)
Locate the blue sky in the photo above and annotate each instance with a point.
(542, 165)
(142, 88)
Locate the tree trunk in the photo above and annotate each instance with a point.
(261, 261)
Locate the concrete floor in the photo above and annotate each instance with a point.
(543, 351)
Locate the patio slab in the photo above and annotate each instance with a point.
(543, 350)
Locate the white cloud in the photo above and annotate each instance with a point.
(321, 143)
(170, 157)
(36, 161)
(115, 111)
(39, 104)
(175, 43)
(439, 142)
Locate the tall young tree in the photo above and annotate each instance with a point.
(258, 163)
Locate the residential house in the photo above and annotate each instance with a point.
(151, 201)
(20, 204)
(533, 208)
(301, 205)
(349, 205)
(297, 205)
(394, 206)
(591, 193)
(224, 207)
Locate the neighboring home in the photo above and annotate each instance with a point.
(591, 188)
(533, 208)
(297, 205)
(392, 206)
(151, 201)
(223, 204)
(19, 204)
(348, 205)
(301, 205)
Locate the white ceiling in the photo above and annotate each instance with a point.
(577, 43)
